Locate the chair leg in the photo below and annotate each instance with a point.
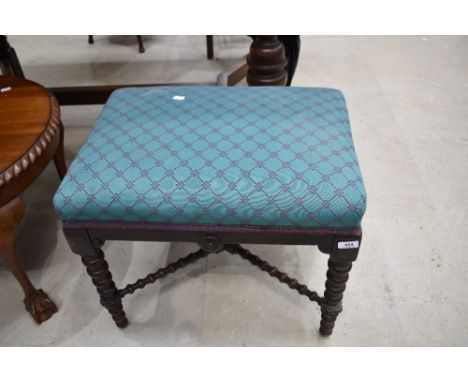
(141, 48)
(59, 156)
(98, 268)
(337, 275)
(90, 39)
(209, 47)
(36, 301)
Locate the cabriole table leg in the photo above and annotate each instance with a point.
(36, 301)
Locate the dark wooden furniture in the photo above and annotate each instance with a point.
(184, 166)
(87, 242)
(266, 59)
(141, 47)
(233, 74)
(270, 53)
(9, 63)
(270, 62)
(267, 62)
(31, 135)
(209, 47)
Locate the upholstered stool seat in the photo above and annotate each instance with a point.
(274, 157)
(213, 160)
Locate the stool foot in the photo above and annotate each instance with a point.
(337, 275)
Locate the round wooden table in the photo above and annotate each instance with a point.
(31, 134)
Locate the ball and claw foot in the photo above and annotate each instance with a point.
(40, 306)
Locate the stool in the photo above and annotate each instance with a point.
(220, 167)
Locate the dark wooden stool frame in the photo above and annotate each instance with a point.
(87, 238)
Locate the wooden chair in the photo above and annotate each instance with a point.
(141, 48)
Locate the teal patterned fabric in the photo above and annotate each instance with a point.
(253, 156)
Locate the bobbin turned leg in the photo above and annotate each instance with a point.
(343, 250)
(337, 275)
(97, 267)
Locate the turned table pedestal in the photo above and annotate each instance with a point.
(31, 135)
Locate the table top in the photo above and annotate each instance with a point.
(29, 122)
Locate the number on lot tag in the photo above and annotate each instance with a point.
(348, 244)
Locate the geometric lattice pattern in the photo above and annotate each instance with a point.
(253, 156)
